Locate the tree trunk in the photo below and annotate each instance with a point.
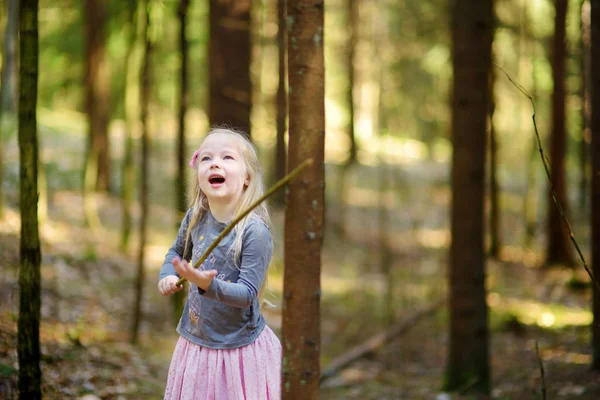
(8, 90)
(353, 18)
(304, 214)
(494, 250)
(30, 254)
(559, 250)
(229, 64)
(145, 85)
(97, 87)
(584, 140)
(595, 200)
(8, 85)
(352, 15)
(472, 34)
(131, 103)
(280, 147)
(177, 299)
(530, 202)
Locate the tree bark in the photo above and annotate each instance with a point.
(472, 35)
(178, 298)
(229, 64)
(97, 86)
(30, 253)
(304, 214)
(352, 15)
(132, 68)
(8, 85)
(584, 140)
(595, 198)
(146, 82)
(280, 147)
(559, 250)
(495, 243)
(8, 90)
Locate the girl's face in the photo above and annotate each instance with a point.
(222, 173)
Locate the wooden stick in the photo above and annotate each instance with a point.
(247, 211)
(378, 340)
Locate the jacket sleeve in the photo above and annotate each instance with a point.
(177, 248)
(257, 248)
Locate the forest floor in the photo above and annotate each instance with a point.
(88, 286)
(87, 302)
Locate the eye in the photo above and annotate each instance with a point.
(228, 157)
(205, 158)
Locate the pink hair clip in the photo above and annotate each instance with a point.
(194, 159)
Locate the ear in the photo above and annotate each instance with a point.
(247, 181)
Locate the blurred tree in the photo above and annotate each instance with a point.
(279, 168)
(145, 86)
(494, 250)
(352, 27)
(97, 85)
(8, 85)
(559, 249)
(135, 22)
(177, 299)
(595, 183)
(529, 200)
(352, 17)
(584, 94)
(304, 214)
(8, 90)
(472, 36)
(229, 64)
(30, 254)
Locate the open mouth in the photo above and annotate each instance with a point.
(216, 179)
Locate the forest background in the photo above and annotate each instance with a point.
(387, 231)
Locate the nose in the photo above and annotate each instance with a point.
(214, 164)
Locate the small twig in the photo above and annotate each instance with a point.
(539, 358)
(546, 163)
(247, 211)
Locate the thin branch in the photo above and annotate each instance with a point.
(247, 211)
(547, 169)
(542, 374)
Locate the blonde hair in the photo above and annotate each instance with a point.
(252, 192)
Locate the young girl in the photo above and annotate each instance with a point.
(225, 350)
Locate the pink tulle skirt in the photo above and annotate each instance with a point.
(252, 372)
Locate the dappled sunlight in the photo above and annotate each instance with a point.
(518, 254)
(433, 238)
(561, 354)
(546, 315)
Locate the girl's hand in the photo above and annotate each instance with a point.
(200, 278)
(166, 286)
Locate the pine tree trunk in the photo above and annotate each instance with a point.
(472, 35)
(8, 85)
(97, 88)
(131, 104)
(30, 254)
(304, 215)
(280, 147)
(145, 86)
(595, 200)
(229, 64)
(494, 250)
(352, 15)
(584, 140)
(177, 299)
(8, 89)
(559, 250)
